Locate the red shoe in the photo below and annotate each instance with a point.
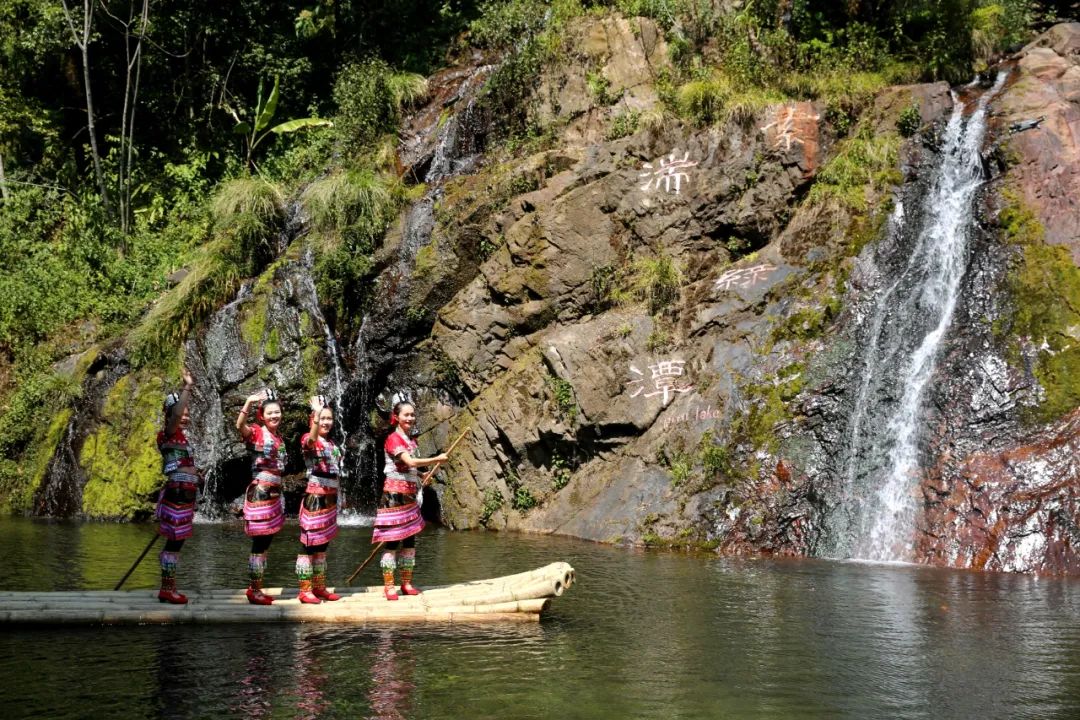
(256, 596)
(326, 594)
(390, 593)
(172, 597)
(307, 597)
(410, 590)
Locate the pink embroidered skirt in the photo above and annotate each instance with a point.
(264, 506)
(176, 506)
(398, 514)
(318, 515)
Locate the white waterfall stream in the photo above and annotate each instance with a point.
(911, 318)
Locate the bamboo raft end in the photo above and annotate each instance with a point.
(523, 597)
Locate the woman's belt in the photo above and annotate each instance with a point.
(268, 478)
(393, 485)
(325, 481)
(180, 476)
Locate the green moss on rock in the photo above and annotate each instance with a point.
(27, 444)
(1045, 288)
(253, 320)
(121, 461)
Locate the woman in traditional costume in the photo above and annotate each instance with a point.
(397, 519)
(318, 511)
(176, 503)
(264, 504)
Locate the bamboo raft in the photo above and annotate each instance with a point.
(520, 597)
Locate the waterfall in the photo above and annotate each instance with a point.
(309, 300)
(221, 363)
(909, 321)
(456, 146)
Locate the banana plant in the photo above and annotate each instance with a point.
(258, 130)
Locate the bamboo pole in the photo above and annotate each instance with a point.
(138, 560)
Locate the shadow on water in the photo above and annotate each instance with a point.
(641, 635)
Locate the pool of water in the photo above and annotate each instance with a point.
(641, 635)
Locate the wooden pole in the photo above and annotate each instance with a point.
(132, 569)
(423, 482)
(364, 564)
(427, 476)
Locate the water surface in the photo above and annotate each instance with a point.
(641, 635)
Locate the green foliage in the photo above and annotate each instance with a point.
(350, 212)
(493, 502)
(664, 12)
(659, 339)
(122, 465)
(258, 127)
(715, 457)
(565, 401)
(214, 277)
(656, 281)
(909, 121)
(251, 210)
(603, 287)
(532, 32)
(560, 471)
(716, 98)
(502, 23)
(755, 426)
(62, 261)
(32, 421)
(352, 203)
(427, 260)
(679, 463)
(600, 89)
(523, 500)
(623, 124)
(864, 161)
(370, 96)
(247, 213)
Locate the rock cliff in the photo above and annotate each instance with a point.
(654, 332)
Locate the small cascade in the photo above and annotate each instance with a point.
(308, 297)
(434, 149)
(457, 146)
(223, 362)
(364, 464)
(927, 253)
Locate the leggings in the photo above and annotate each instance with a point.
(174, 545)
(313, 549)
(409, 542)
(261, 543)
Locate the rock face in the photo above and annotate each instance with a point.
(1013, 508)
(723, 418)
(1047, 171)
(576, 399)
(654, 333)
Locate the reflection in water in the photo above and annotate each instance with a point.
(392, 687)
(641, 635)
(253, 692)
(311, 679)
